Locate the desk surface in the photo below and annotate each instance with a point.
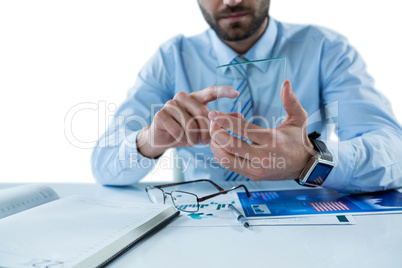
(376, 240)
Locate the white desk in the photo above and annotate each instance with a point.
(376, 241)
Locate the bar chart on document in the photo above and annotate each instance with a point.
(208, 209)
(258, 201)
(290, 203)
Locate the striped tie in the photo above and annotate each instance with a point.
(243, 105)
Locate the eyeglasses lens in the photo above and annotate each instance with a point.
(185, 201)
(155, 195)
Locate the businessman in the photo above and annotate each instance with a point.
(173, 105)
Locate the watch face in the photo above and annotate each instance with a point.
(319, 174)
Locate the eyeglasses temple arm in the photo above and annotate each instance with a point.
(224, 192)
(186, 182)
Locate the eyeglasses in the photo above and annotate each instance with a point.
(185, 201)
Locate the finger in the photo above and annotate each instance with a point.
(184, 119)
(212, 93)
(229, 143)
(233, 163)
(292, 105)
(198, 112)
(176, 131)
(238, 115)
(203, 128)
(240, 127)
(164, 121)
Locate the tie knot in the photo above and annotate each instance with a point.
(239, 70)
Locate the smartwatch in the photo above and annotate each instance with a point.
(319, 166)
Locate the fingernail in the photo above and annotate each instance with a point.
(213, 115)
(231, 91)
(289, 86)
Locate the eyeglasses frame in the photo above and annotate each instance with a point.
(221, 191)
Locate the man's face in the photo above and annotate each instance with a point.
(234, 22)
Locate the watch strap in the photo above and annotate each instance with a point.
(320, 146)
(323, 154)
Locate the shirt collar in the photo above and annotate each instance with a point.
(261, 49)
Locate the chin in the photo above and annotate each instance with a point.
(234, 33)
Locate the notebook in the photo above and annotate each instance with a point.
(39, 229)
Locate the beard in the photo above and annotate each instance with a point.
(239, 30)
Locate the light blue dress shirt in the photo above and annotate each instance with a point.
(328, 76)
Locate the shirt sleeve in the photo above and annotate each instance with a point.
(115, 159)
(368, 154)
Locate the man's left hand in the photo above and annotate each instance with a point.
(274, 154)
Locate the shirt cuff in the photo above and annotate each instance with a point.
(123, 165)
(340, 177)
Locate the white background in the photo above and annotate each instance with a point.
(57, 54)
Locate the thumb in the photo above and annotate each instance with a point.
(238, 115)
(293, 107)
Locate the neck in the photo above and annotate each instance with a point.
(242, 46)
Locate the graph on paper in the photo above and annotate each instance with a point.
(290, 203)
(207, 210)
(209, 206)
(211, 212)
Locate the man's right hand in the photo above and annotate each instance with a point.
(182, 122)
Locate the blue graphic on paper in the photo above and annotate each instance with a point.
(317, 201)
(199, 216)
